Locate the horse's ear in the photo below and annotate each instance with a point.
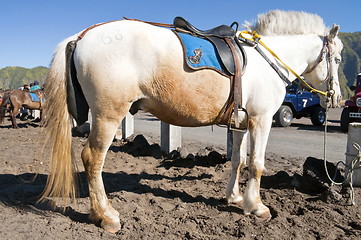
(333, 32)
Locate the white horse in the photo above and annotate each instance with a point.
(124, 62)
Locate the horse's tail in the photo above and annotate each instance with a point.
(62, 180)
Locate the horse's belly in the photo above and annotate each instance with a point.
(182, 114)
(185, 98)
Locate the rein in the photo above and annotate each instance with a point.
(256, 39)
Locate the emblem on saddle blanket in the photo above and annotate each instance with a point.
(200, 53)
(35, 97)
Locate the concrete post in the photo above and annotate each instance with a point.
(170, 137)
(36, 114)
(354, 136)
(127, 126)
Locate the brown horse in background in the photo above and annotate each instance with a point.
(18, 99)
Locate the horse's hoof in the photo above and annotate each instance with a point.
(111, 227)
(262, 213)
(265, 216)
(109, 224)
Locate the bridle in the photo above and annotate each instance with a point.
(326, 53)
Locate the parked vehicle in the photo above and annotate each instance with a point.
(298, 104)
(352, 110)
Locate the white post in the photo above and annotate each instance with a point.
(354, 136)
(127, 126)
(36, 114)
(170, 137)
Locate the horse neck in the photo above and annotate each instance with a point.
(297, 51)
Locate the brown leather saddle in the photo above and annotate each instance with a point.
(233, 57)
(217, 36)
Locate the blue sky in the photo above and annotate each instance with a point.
(30, 29)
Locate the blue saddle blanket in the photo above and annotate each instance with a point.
(200, 53)
(35, 98)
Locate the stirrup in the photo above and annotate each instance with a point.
(240, 128)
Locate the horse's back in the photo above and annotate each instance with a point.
(126, 54)
(126, 45)
(17, 95)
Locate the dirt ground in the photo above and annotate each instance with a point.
(179, 196)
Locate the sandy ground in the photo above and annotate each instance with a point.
(165, 197)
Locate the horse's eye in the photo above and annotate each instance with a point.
(337, 60)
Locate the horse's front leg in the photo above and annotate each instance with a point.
(259, 132)
(238, 159)
(93, 156)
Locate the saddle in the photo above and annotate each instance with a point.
(37, 96)
(233, 58)
(222, 31)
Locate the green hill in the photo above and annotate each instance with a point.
(351, 60)
(15, 77)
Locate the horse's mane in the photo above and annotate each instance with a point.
(277, 22)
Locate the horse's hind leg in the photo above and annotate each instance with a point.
(13, 112)
(93, 156)
(239, 156)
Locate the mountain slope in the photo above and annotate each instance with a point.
(15, 77)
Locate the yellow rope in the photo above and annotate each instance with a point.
(256, 36)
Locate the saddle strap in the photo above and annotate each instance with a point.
(166, 25)
(234, 101)
(237, 81)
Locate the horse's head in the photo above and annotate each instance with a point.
(323, 73)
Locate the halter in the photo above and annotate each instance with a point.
(325, 53)
(326, 50)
